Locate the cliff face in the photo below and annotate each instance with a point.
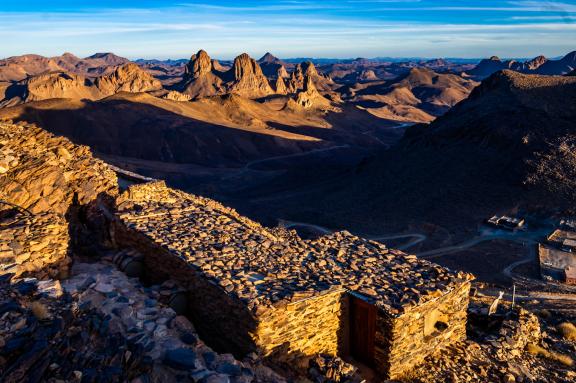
(249, 81)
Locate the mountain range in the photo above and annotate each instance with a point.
(537, 65)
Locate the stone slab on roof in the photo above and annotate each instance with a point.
(266, 268)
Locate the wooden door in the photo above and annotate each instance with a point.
(362, 330)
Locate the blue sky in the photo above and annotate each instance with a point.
(289, 28)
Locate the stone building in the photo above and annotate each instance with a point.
(269, 291)
(557, 256)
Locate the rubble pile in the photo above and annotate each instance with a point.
(101, 326)
(498, 355)
(331, 369)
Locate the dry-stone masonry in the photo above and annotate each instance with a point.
(287, 295)
(41, 177)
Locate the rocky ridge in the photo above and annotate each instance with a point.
(18, 68)
(126, 78)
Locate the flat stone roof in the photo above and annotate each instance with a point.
(556, 258)
(560, 236)
(266, 268)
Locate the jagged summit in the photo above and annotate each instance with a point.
(199, 65)
(245, 78)
(536, 62)
(249, 80)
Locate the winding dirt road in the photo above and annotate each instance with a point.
(323, 230)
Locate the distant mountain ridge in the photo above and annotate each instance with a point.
(19, 67)
(537, 65)
(52, 85)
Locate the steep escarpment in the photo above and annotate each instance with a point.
(248, 80)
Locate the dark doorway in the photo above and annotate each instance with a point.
(362, 330)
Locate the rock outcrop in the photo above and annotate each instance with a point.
(535, 63)
(307, 69)
(310, 98)
(249, 80)
(538, 65)
(176, 96)
(127, 78)
(53, 85)
(281, 86)
(204, 79)
(200, 64)
(18, 68)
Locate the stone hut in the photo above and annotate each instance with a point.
(271, 292)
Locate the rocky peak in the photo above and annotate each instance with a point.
(244, 66)
(199, 65)
(268, 58)
(310, 98)
(281, 86)
(536, 62)
(109, 58)
(247, 78)
(282, 72)
(309, 84)
(309, 69)
(495, 58)
(127, 78)
(69, 57)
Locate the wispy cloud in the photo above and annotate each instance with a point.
(293, 27)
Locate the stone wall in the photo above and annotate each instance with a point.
(33, 245)
(45, 173)
(222, 322)
(318, 325)
(44, 181)
(404, 341)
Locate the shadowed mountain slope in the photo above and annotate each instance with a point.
(466, 164)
